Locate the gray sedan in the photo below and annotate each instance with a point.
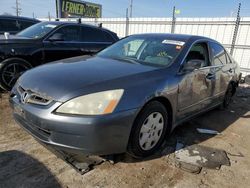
(127, 97)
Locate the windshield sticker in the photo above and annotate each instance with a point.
(178, 47)
(174, 42)
(50, 25)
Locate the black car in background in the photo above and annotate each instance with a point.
(15, 24)
(48, 41)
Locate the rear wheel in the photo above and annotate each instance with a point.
(149, 130)
(229, 94)
(11, 69)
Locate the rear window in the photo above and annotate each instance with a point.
(89, 34)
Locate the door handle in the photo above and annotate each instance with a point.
(210, 76)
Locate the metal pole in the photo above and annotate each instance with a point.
(49, 16)
(173, 21)
(131, 8)
(237, 24)
(18, 10)
(127, 24)
(56, 9)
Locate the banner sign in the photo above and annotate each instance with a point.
(78, 9)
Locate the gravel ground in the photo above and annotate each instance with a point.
(25, 163)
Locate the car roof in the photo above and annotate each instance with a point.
(19, 18)
(181, 37)
(74, 23)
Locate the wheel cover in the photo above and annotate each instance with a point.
(12, 72)
(151, 131)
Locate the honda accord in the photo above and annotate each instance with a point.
(127, 97)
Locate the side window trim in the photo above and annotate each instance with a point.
(46, 39)
(229, 60)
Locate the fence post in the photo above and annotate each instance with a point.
(173, 21)
(127, 24)
(237, 24)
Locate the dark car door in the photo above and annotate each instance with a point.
(94, 39)
(196, 89)
(222, 67)
(67, 46)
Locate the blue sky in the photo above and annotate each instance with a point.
(142, 8)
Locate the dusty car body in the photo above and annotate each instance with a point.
(148, 84)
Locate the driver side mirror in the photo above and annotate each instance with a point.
(192, 65)
(56, 37)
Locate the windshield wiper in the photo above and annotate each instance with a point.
(125, 59)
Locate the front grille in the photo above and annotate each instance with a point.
(32, 97)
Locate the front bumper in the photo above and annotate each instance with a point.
(90, 135)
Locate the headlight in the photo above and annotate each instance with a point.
(92, 104)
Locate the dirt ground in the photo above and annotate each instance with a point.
(25, 163)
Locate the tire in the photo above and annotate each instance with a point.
(10, 70)
(145, 138)
(228, 95)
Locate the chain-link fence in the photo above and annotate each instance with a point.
(220, 29)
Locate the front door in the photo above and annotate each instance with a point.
(69, 46)
(197, 87)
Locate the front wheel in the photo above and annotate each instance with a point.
(149, 130)
(11, 69)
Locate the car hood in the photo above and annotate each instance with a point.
(15, 39)
(63, 77)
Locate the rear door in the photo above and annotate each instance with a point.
(68, 47)
(222, 67)
(94, 39)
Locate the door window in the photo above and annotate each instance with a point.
(199, 52)
(24, 24)
(89, 34)
(8, 25)
(70, 32)
(218, 54)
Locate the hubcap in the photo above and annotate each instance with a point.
(12, 72)
(151, 131)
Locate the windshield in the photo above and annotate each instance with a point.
(146, 50)
(38, 30)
